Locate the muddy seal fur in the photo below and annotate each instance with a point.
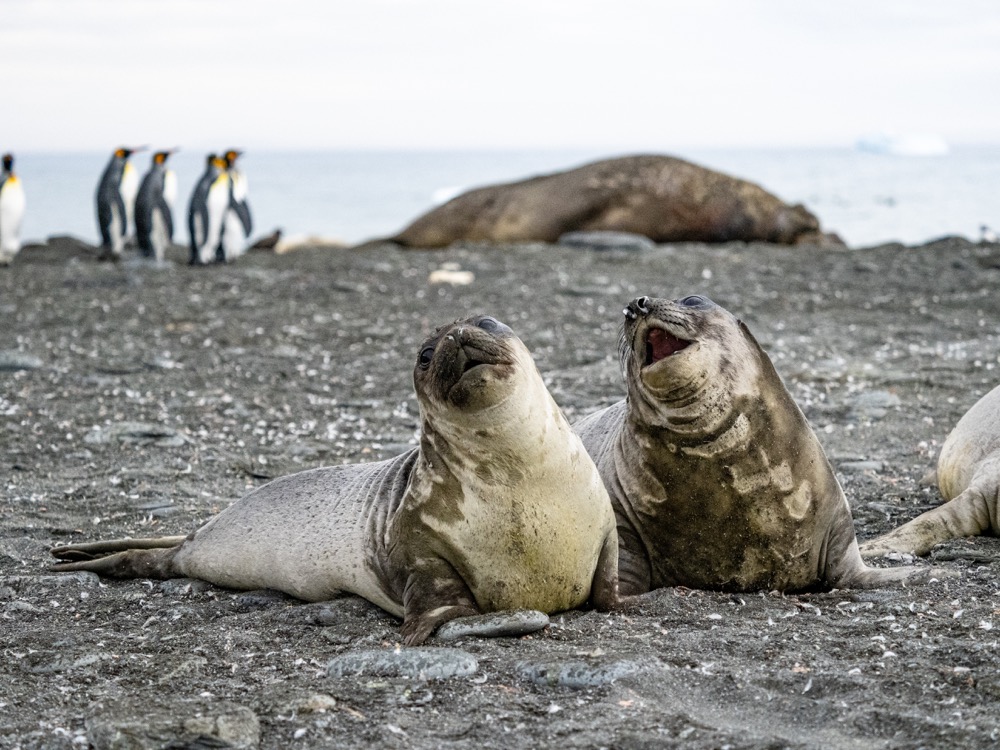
(968, 475)
(499, 508)
(717, 480)
(661, 197)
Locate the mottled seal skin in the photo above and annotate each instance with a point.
(499, 508)
(968, 475)
(716, 478)
(661, 197)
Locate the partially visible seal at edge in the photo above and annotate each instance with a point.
(968, 476)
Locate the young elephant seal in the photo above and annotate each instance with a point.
(499, 508)
(717, 480)
(968, 475)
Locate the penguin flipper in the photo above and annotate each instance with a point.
(168, 217)
(243, 212)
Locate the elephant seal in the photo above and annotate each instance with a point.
(968, 475)
(661, 197)
(717, 480)
(499, 507)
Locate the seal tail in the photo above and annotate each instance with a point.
(121, 558)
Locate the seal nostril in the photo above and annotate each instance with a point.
(642, 305)
(627, 312)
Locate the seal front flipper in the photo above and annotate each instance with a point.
(434, 594)
(604, 595)
(969, 514)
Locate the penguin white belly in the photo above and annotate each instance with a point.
(129, 188)
(117, 231)
(234, 241)
(12, 204)
(217, 204)
(170, 189)
(158, 235)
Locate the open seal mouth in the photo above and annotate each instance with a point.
(661, 344)
(475, 357)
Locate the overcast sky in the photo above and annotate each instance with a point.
(385, 74)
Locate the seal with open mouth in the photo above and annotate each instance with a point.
(717, 480)
(968, 475)
(499, 508)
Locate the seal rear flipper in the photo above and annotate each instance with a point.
(93, 550)
(433, 595)
(971, 513)
(133, 563)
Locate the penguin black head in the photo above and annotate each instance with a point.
(160, 157)
(8, 162)
(210, 160)
(231, 156)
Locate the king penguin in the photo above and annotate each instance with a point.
(154, 205)
(116, 202)
(11, 211)
(207, 210)
(238, 224)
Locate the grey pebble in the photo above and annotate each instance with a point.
(144, 433)
(607, 241)
(859, 466)
(872, 404)
(184, 586)
(418, 663)
(11, 359)
(494, 625)
(576, 675)
(219, 725)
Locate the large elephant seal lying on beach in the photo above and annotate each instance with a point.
(968, 475)
(663, 198)
(717, 480)
(499, 508)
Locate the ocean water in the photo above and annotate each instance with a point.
(355, 195)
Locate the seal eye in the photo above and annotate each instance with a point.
(426, 356)
(695, 300)
(489, 324)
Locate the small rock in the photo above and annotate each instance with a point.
(418, 663)
(262, 599)
(860, 466)
(141, 433)
(606, 241)
(451, 273)
(11, 360)
(220, 725)
(576, 675)
(495, 625)
(872, 404)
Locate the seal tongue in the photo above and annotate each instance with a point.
(660, 344)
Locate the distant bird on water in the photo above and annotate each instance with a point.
(154, 221)
(986, 234)
(116, 202)
(238, 224)
(207, 211)
(12, 205)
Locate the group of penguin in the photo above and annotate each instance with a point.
(219, 221)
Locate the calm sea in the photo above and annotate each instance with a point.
(351, 195)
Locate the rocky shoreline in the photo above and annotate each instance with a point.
(139, 401)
